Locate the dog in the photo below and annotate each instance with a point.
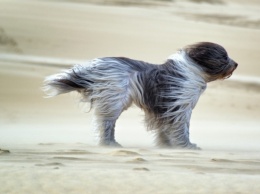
(167, 93)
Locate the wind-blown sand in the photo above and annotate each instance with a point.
(48, 146)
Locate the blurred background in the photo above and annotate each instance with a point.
(41, 37)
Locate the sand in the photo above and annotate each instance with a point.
(48, 146)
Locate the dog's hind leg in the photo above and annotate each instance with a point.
(106, 113)
(106, 129)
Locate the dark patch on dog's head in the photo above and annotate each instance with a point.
(213, 59)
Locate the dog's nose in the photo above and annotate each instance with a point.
(233, 63)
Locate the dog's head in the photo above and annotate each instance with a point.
(213, 59)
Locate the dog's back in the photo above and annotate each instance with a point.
(112, 72)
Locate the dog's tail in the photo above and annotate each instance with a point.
(74, 79)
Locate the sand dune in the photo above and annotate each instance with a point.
(73, 168)
(48, 146)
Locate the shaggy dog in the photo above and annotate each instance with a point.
(167, 93)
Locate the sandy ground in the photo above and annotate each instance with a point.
(51, 143)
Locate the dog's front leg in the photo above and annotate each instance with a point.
(175, 135)
(179, 134)
(181, 137)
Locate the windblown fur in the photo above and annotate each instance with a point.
(167, 93)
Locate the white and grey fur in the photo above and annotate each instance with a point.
(167, 93)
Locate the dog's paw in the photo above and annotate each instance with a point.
(190, 146)
(4, 151)
(193, 146)
(111, 144)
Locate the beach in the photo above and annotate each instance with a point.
(47, 145)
